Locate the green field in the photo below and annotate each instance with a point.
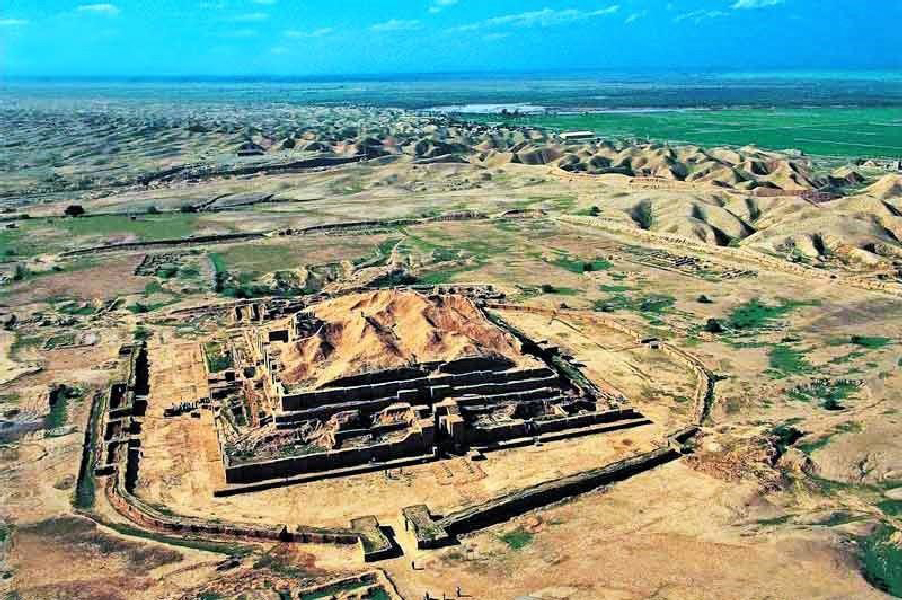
(864, 132)
(37, 235)
(146, 229)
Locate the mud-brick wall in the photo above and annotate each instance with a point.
(503, 508)
(508, 387)
(314, 399)
(325, 461)
(496, 433)
(323, 413)
(315, 535)
(587, 420)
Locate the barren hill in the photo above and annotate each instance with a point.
(746, 168)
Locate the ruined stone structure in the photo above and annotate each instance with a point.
(126, 403)
(118, 458)
(416, 412)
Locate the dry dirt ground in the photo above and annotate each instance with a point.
(689, 539)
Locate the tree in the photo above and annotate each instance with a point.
(713, 326)
(75, 210)
(643, 214)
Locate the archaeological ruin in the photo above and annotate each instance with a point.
(372, 381)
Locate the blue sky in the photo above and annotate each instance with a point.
(318, 37)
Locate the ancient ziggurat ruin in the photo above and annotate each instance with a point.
(336, 386)
(455, 382)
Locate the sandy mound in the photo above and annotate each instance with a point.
(745, 168)
(888, 186)
(389, 329)
(852, 237)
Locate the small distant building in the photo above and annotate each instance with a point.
(250, 149)
(579, 137)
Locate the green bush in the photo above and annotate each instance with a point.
(517, 539)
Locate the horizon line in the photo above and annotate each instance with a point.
(620, 71)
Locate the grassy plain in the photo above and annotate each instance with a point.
(821, 131)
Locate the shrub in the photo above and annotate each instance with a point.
(643, 214)
(713, 326)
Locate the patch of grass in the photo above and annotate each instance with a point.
(85, 488)
(153, 287)
(335, 591)
(166, 272)
(576, 265)
(220, 548)
(172, 226)
(59, 412)
(755, 315)
(881, 560)
(650, 306)
(84, 534)
(445, 254)
(507, 226)
(140, 308)
(821, 442)
(517, 539)
(218, 358)
(13, 398)
(786, 360)
(16, 244)
(189, 272)
(839, 360)
(22, 342)
(829, 393)
(383, 252)
(871, 343)
(218, 261)
(891, 508)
